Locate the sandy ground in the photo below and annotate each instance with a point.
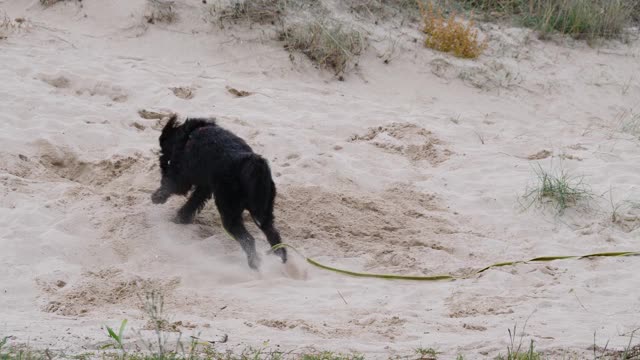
(415, 167)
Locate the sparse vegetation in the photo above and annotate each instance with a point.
(160, 12)
(253, 11)
(385, 9)
(426, 354)
(50, 2)
(562, 190)
(635, 11)
(118, 339)
(198, 350)
(629, 123)
(500, 6)
(625, 214)
(329, 45)
(6, 26)
(447, 34)
(9, 26)
(516, 351)
(517, 354)
(583, 19)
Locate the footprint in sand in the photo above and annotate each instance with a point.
(82, 87)
(183, 92)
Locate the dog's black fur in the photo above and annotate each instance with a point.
(200, 154)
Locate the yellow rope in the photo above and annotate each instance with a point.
(447, 276)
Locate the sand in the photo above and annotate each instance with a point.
(411, 167)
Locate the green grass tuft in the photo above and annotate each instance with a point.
(426, 353)
(562, 190)
(582, 19)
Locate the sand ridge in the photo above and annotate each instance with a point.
(411, 167)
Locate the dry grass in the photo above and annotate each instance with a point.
(50, 2)
(447, 34)
(385, 9)
(628, 122)
(10, 26)
(501, 6)
(635, 11)
(328, 45)
(6, 27)
(253, 11)
(160, 12)
(583, 19)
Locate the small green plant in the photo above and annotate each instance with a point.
(562, 190)
(327, 44)
(328, 355)
(154, 308)
(631, 352)
(530, 354)
(515, 352)
(118, 340)
(19, 353)
(426, 353)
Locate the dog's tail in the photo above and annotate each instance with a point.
(255, 177)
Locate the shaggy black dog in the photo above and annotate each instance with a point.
(200, 154)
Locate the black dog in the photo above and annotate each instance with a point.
(203, 155)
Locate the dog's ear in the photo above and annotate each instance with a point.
(169, 127)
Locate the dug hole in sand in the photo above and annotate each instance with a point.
(412, 167)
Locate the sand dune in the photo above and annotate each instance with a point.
(412, 167)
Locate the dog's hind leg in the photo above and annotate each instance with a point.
(232, 222)
(234, 225)
(261, 192)
(196, 202)
(273, 237)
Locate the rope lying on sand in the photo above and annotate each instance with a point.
(453, 277)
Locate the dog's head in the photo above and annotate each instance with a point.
(174, 136)
(167, 139)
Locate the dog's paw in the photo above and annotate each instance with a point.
(159, 197)
(282, 253)
(254, 262)
(182, 219)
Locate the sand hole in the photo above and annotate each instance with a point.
(409, 140)
(355, 223)
(66, 164)
(104, 288)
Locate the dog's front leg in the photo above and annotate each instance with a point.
(167, 187)
(195, 203)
